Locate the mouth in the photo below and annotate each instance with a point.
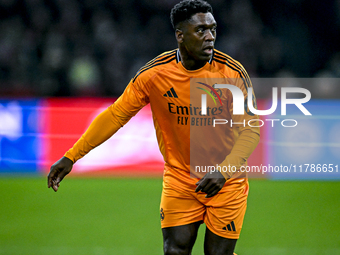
(208, 49)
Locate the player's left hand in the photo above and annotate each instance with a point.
(211, 183)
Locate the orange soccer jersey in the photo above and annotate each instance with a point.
(168, 87)
(188, 138)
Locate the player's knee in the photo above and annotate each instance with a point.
(170, 249)
(219, 249)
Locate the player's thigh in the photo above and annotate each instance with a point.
(216, 245)
(180, 239)
(179, 207)
(181, 215)
(225, 214)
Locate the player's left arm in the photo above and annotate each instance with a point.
(247, 134)
(247, 139)
(213, 182)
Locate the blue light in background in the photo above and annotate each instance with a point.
(314, 142)
(19, 136)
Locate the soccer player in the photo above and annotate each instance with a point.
(217, 198)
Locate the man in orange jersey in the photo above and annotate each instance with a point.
(168, 82)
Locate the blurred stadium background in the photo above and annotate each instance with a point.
(63, 61)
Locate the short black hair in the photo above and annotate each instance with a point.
(185, 9)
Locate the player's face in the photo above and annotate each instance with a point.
(198, 37)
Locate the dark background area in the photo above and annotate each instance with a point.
(94, 47)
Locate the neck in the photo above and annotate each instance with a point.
(189, 62)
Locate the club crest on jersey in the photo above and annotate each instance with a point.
(219, 92)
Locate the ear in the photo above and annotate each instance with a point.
(179, 36)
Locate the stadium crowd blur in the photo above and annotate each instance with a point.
(94, 47)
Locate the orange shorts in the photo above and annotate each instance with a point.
(223, 213)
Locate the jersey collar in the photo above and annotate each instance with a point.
(178, 57)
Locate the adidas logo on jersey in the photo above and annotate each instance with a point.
(171, 93)
(230, 227)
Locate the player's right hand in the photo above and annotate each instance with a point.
(58, 171)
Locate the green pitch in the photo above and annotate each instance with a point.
(121, 216)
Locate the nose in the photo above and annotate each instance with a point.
(209, 36)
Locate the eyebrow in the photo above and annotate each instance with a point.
(206, 25)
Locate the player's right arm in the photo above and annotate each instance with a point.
(58, 171)
(102, 128)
